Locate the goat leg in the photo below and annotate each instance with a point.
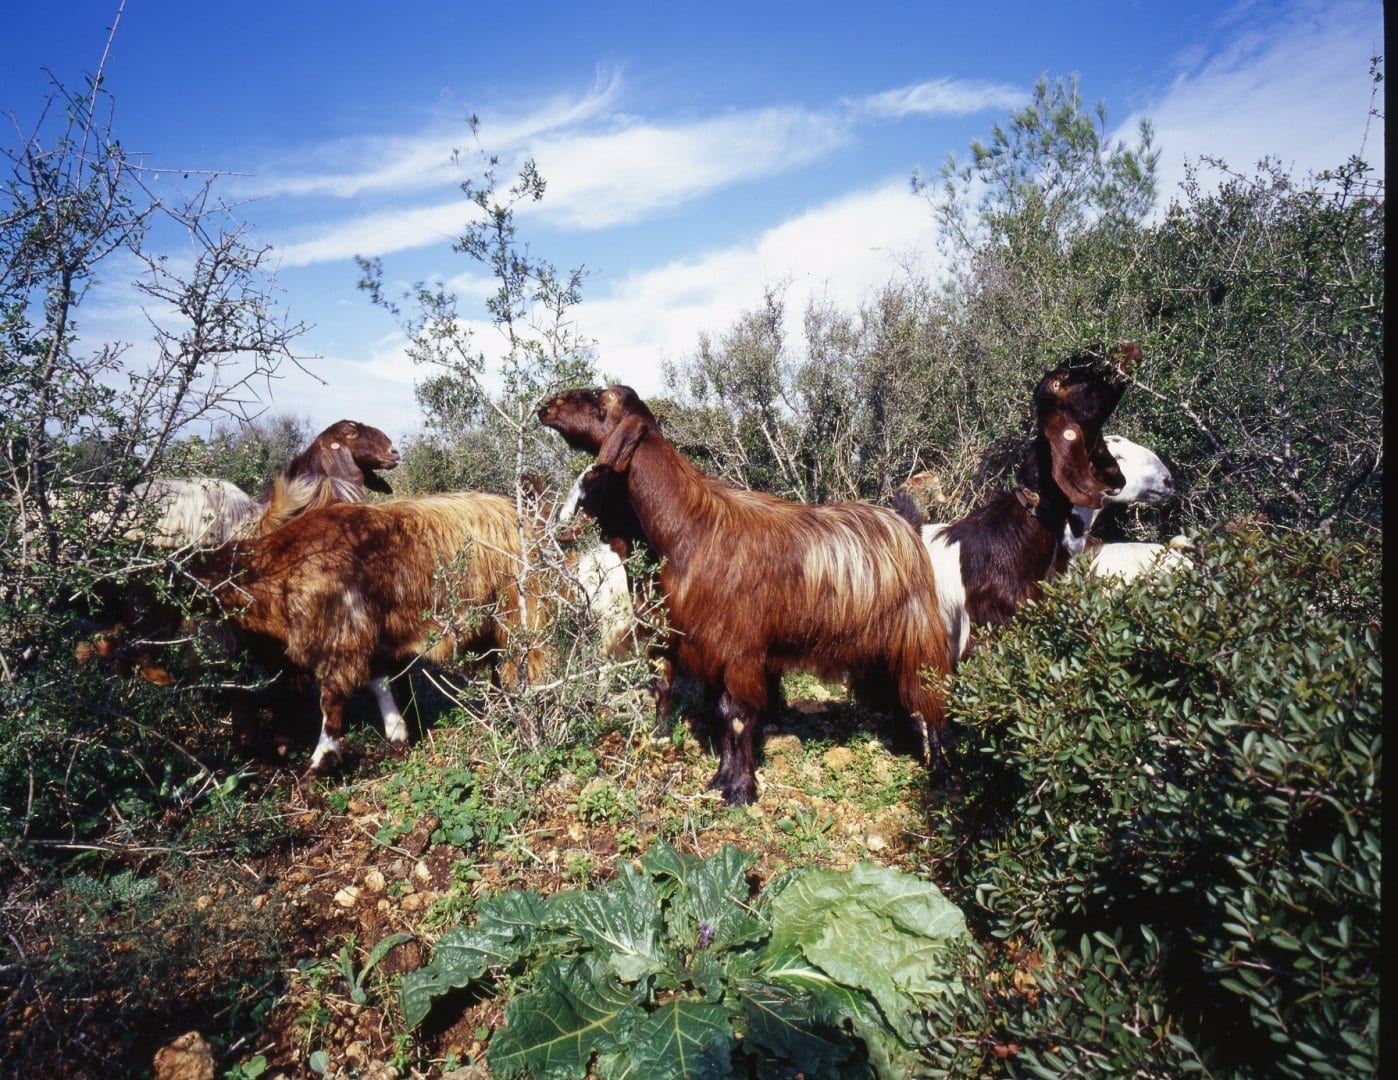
(737, 741)
(332, 721)
(395, 728)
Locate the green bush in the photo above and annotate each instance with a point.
(1173, 791)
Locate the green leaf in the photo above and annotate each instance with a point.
(623, 923)
(788, 1022)
(838, 1006)
(507, 929)
(574, 1009)
(891, 934)
(683, 1040)
(713, 892)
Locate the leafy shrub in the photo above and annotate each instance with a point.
(1174, 791)
(674, 966)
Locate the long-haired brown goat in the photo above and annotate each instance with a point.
(756, 585)
(354, 591)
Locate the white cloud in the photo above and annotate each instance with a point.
(600, 180)
(424, 160)
(1295, 87)
(841, 251)
(627, 174)
(376, 234)
(943, 97)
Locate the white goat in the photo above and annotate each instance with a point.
(190, 513)
(1148, 481)
(600, 573)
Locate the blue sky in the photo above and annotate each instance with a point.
(694, 153)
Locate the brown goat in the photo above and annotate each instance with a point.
(756, 586)
(354, 591)
(347, 450)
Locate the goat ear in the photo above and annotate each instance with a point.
(1072, 466)
(620, 445)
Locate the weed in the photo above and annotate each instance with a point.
(251, 1069)
(807, 829)
(345, 960)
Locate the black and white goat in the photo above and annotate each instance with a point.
(994, 559)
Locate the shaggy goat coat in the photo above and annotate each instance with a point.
(354, 591)
(756, 585)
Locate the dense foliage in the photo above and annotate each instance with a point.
(1257, 299)
(1174, 792)
(674, 966)
(1165, 825)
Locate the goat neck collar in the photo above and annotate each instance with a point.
(1028, 498)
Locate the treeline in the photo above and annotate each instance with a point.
(1257, 299)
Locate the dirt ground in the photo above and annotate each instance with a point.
(333, 887)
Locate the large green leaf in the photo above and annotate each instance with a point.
(623, 923)
(891, 934)
(713, 903)
(683, 1040)
(785, 1020)
(835, 1006)
(574, 1008)
(461, 956)
(506, 930)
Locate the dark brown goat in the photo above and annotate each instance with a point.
(996, 557)
(347, 450)
(756, 586)
(354, 591)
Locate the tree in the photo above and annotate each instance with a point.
(1043, 225)
(1268, 299)
(484, 434)
(530, 306)
(83, 423)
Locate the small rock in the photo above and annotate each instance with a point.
(838, 758)
(203, 902)
(348, 896)
(375, 882)
(422, 872)
(189, 1057)
(875, 842)
(259, 901)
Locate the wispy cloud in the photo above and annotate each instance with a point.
(942, 97)
(599, 179)
(375, 234)
(1292, 85)
(840, 252)
(628, 174)
(420, 161)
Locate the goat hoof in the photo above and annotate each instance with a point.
(398, 749)
(740, 795)
(327, 764)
